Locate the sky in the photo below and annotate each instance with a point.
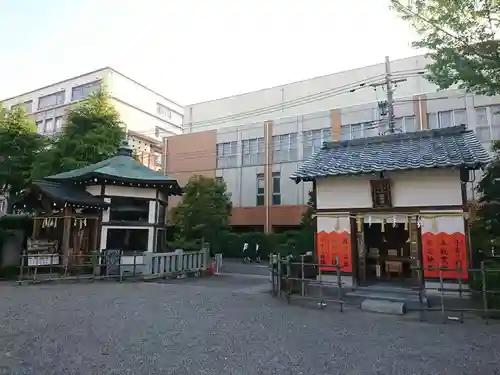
(194, 50)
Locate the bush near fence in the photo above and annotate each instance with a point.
(230, 244)
(9, 223)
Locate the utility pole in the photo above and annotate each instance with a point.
(390, 95)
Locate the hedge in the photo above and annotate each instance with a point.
(230, 244)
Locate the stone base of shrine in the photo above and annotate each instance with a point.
(347, 280)
(451, 289)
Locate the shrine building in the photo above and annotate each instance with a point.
(116, 204)
(393, 209)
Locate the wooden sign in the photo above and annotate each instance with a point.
(447, 251)
(329, 246)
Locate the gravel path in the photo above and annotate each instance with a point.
(204, 327)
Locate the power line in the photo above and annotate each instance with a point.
(344, 89)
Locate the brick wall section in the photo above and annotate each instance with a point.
(336, 124)
(420, 110)
(190, 154)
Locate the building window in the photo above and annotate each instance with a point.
(227, 154)
(59, 123)
(285, 147)
(252, 151)
(495, 122)
(83, 91)
(345, 132)
(361, 130)
(314, 139)
(260, 190)
(276, 188)
(49, 126)
(483, 131)
(129, 209)
(404, 124)
(127, 240)
(446, 119)
(158, 162)
(26, 106)
(40, 127)
(163, 110)
(51, 100)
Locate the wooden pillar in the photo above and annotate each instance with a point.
(95, 234)
(36, 227)
(155, 224)
(68, 212)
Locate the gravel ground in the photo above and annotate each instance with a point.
(224, 325)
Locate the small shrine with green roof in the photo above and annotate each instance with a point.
(116, 204)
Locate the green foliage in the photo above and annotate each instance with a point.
(19, 148)
(203, 212)
(16, 222)
(461, 37)
(93, 133)
(230, 244)
(307, 217)
(489, 189)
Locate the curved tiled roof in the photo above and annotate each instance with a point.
(441, 148)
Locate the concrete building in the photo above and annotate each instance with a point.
(255, 141)
(141, 109)
(148, 150)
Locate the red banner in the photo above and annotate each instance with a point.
(331, 245)
(447, 251)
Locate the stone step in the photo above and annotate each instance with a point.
(391, 295)
(383, 306)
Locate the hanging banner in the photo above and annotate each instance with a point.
(447, 251)
(331, 245)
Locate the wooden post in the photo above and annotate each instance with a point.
(95, 233)
(66, 234)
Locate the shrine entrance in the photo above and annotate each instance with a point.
(387, 255)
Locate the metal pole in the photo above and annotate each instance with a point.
(484, 292)
(441, 287)
(460, 287)
(390, 94)
(339, 283)
(302, 291)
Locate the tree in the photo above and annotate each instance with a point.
(203, 212)
(19, 147)
(461, 37)
(93, 133)
(307, 217)
(488, 214)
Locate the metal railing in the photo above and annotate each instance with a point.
(110, 264)
(444, 295)
(287, 274)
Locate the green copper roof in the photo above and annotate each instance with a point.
(122, 168)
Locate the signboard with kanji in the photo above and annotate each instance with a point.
(447, 251)
(329, 246)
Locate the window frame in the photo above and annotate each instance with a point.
(82, 87)
(260, 190)
(60, 98)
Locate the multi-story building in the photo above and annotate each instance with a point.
(141, 109)
(255, 141)
(148, 150)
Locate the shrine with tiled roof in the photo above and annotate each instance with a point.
(393, 208)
